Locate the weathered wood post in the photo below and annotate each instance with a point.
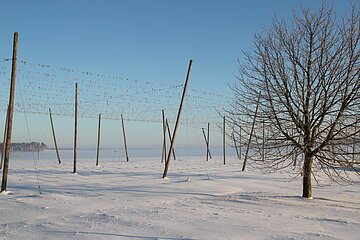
(251, 132)
(163, 156)
(168, 128)
(354, 145)
(294, 155)
(208, 138)
(125, 144)
(4, 139)
(235, 145)
(263, 141)
(11, 112)
(224, 140)
(207, 148)
(208, 153)
(98, 143)
(240, 142)
(167, 163)
(76, 125)
(54, 137)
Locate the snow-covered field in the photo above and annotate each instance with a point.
(120, 200)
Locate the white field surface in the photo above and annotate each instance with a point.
(120, 200)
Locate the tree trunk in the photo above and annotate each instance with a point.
(307, 191)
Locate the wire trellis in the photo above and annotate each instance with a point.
(44, 86)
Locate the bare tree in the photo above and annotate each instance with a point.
(307, 76)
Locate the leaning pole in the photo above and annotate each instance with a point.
(177, 121)
(11, 113)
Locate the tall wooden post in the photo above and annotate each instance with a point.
(163, 157)
(208, 154)
(354, 144)
(224, 141)
(263, 141)
(10, 117)
(168, 130)
(167, 163)
(76, 125)
(235, 145)
(251, 133)
(54, 137)
(207, 146)
(98, 143)
(294, 155)
(208, 137)
(125, 144)
(240, 143)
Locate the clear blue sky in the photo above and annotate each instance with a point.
(147, 40)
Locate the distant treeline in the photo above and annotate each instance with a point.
(26, 147)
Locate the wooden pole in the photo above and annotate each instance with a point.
(207, 146)
(76, 125)
(224, 140)
(353, 146)
(168, 128)
(123, 128)
(235, 144)
(240, 143)
(294, 157)
(11, 112)
(263, 140)
(208, 138)
(208, 154)
(4, 139)
(163, 157)
(167, 163)
(98, 143)
(54, 137)
(251, 133)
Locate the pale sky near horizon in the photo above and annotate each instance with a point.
(147, 40)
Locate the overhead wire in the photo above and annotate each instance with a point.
(30, 139)
(46, 87)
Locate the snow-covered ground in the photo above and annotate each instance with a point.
(130, 200)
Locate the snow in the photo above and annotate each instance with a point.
(130, 200)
